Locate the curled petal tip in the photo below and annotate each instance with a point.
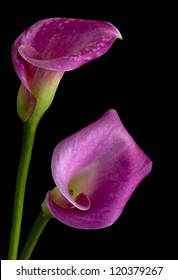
(119, 37)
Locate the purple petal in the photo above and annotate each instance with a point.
(26, 103)
(101, 162)
(61, 44)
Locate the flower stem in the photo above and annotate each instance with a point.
(29, 131)
(34, 235)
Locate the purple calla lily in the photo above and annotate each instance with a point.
(47, 49)
(95, 170)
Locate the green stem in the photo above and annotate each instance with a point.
(29, 131)
(34, 235)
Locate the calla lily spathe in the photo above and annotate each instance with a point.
(47, 49)
(95, 170)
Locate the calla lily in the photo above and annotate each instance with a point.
(95, 170)
(47, 49)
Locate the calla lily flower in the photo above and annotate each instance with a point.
(47, 49)
(95, 170)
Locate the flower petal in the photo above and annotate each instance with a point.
(107, 158)
(26, 103)
(61, 44)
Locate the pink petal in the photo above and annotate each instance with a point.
(26, 103)
(105, 165)
(61, 44)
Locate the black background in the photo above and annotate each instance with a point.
(130, 78)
